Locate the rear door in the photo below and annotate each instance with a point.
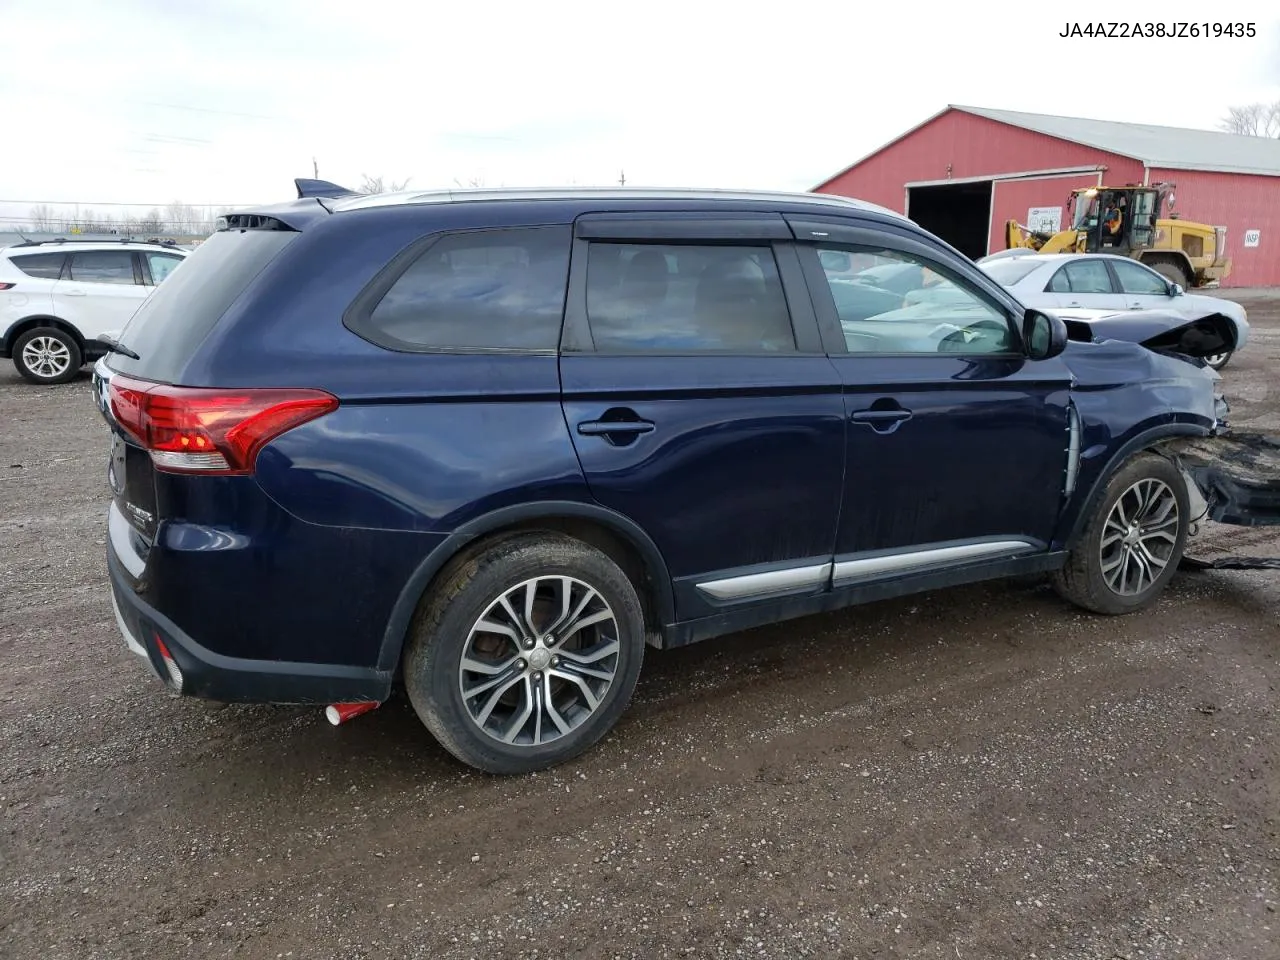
(957, 443)
(100, 290)
(1086, 283)
(701, 403)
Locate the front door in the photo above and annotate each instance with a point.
(1142, 287)
(702, 404)
(957, 443)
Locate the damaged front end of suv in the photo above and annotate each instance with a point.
(1233, 476)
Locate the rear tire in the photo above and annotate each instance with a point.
(47, 355)
(492, 674)
(1132, 542)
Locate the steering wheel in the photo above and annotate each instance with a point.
(958, 341)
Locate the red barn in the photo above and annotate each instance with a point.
(965, 171)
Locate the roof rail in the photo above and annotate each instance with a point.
(149, 243)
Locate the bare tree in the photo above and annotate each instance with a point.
(41, 217)
(152, 223)
(179, 217)
(1254, 120)
(471, 182)
(376, 185)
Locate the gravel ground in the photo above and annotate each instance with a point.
(981, 772)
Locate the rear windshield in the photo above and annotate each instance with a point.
(174, 320)
(1010, 271)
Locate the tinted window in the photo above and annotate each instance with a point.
(652, 297)
(1138, 279)
(180, 312)
(160, 265)
(102, 266)
(499, 289)
(1082, 276)
(1009, 272)
(47, 266)
(918, 309)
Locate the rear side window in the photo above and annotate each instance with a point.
(102, 266)
(480, 290)
(179, 313)
(683, 298)
(1008, 272)
(160, 265)
(46, 266)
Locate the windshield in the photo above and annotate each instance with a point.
(1086, 212)
(1009, 271)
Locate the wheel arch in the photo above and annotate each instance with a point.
(41, 320)
(612, 533)
(1146, 440)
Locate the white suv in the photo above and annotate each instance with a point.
(58, 297)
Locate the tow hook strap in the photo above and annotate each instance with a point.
(1231, 563)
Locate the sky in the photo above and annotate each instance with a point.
(225, 102)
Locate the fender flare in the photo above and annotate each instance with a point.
(402, 613)
(1148, 438)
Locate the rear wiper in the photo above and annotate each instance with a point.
(115, 346)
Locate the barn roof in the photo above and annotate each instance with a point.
(1174, 148)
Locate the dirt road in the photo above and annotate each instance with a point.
(983, 772)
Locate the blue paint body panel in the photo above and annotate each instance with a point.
(297, 583)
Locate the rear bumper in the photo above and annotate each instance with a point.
(214, 676)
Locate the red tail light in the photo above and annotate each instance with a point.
(7, 286)
(210, 430)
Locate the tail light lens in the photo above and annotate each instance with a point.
(210, 430)
(7, 286)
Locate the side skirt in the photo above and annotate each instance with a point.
(789, 608)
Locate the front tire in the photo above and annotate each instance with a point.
(1218, 360)
(47, 355)
(525, 654)
(1132, 542)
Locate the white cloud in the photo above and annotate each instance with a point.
(135, 101)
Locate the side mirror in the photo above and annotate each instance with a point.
(1043, 335)
(1175, 290)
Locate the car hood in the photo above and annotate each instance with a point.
(1159, 330)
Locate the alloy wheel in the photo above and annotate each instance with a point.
(539, 661)
(46, 357)
(1139, 537)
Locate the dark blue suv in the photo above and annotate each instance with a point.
(488, 445)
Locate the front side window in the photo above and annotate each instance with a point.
(1136, 279)
(102, 266)
(909, 306)
(483, 290)
(1082, 276)
(686, 298)
(46, 266)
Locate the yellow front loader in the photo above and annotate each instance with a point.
(1126, 221)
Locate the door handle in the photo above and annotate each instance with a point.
(880, 416)
(881, 421)
(618, 427)
(600, 428)
(73, 293)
